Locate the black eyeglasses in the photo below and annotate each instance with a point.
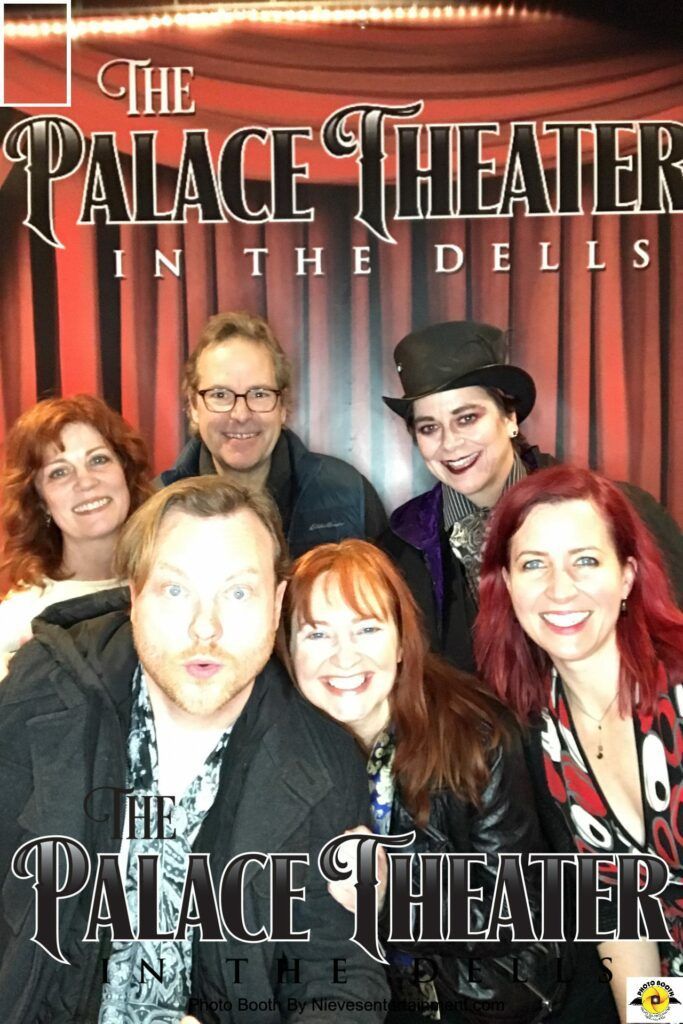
(223, 399)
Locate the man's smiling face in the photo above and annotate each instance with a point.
(239, 440)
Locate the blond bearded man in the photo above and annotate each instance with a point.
(177, 696)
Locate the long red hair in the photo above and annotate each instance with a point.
(33, 550)
(649, 634)
(444, 724)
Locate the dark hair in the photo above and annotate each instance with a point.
(444, 723)
(32, 549)
(200, 496)
(652, 631)
(224, 326)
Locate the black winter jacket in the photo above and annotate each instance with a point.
(320, 498)
(290, 781)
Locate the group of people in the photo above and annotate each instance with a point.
(503, 657)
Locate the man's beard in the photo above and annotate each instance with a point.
(201, 697)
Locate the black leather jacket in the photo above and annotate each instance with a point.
(505, 822)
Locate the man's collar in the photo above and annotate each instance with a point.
(457, 506)
(280, 465)
(143, 743)
(206, 463)
(280, 479)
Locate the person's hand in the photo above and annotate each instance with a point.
(345, 892)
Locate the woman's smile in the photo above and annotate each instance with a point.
(466, 442)
(345, 658)
(349, 684)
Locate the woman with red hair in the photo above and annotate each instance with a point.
(579, 635)
(442, 760)
(73, 472)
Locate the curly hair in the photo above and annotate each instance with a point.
(32, 549)
(444, 722)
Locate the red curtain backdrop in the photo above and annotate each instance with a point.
(605, 347)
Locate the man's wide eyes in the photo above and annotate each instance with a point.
(237, 592)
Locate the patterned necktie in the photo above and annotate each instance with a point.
(467, 542)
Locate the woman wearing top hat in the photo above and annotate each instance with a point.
(463, 405)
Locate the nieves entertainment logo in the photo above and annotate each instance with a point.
(654, 999)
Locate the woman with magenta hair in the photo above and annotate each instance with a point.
(444, 759)
(73, 472)
(578, 634)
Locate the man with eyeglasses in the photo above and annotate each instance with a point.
(236, 386)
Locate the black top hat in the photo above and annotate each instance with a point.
(458, 354)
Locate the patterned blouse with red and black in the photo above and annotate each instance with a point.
(590, 819)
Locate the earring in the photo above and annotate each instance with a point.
(624, 608)
(514, 433)
(48, 517)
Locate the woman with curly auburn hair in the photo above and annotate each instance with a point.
(579, 635)
(73, 472)
(445, 760)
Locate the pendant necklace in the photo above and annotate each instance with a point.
(600, 720)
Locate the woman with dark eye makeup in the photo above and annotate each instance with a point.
(73, 473)
(463, 405)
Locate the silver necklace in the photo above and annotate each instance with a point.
(599, 721)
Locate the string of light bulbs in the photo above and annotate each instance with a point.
(260, 13)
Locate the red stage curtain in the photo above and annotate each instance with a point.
(499, 69)
(605, 346)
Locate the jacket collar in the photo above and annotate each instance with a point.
(187, 463)
(418, 521)
(419, 524)
(90, 648)
(90, 639)
(192, 459)
(274, 700)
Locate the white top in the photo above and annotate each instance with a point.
(21, 606)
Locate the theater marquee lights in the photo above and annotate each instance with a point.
(267, 14)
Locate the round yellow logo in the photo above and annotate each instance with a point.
(655, 1000)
